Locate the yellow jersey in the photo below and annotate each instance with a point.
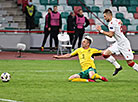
(85, 57)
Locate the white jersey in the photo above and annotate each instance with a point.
(122, 44)
(110, 39)
(115, 26)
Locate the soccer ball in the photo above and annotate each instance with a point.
(5, 77)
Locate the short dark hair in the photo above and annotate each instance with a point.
(107, 11)
(89, 41)
(50, 8)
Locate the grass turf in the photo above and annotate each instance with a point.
(46, 81)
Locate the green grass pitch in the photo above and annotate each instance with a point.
(46, 81)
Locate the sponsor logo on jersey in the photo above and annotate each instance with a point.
(111, 27)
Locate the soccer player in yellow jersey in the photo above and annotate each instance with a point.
(85, 53)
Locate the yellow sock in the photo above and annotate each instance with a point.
(79, 80)
(95, 76)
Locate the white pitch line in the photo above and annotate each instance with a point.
(7, 100)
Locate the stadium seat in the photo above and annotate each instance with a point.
(86, 15)
(136, 15)
(88, 28)
(60, 9)
(68, 8)
(65, 27)
(131, 9)
(119, 15)
(72, 2)
(89, 2)
(103, 8)
(64, 21)
(64, 43)
(95, 9)
(137, 28)
(133, 2)
(92, 22)
(41, 8)
(129, 16)
(93, 17)
(107, 3)
(113, 9)
(37, 16)
(76, 8)
(49, 6)
(44, 14)
(99, 3)
(126, 22)
(64, 14)
(62, 2)
(137, 9)
(100, 15)
(116, 3)
(42, 21)
(44, 2)
(93, 27)
(132, 27)
(84, 9)
(42, 27)
(121, 3)
(134, 22)
(53, 2)
(35, 1)
(97, 22)
(122, 9)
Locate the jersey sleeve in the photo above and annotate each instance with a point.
(74, 52)
(95, 51)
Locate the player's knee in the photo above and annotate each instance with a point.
(131, 64)
(73, 76)
(105, 56)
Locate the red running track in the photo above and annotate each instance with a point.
(35, 56)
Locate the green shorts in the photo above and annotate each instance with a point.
(85, 74)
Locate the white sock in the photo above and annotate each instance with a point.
(135, 67)
(112, 60)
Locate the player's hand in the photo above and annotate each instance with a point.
(49, 29)
(98, 27)
(55, 56)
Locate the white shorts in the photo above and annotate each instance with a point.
(123, 48)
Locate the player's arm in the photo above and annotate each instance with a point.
(66, 55)
(110, 33)
(62, 56)
(97, 52)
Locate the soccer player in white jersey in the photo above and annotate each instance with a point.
(123, 44)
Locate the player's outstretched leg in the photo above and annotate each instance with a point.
(133, 65)
(76, 78)
(113, 61)
(117, 70)
(96, 76)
